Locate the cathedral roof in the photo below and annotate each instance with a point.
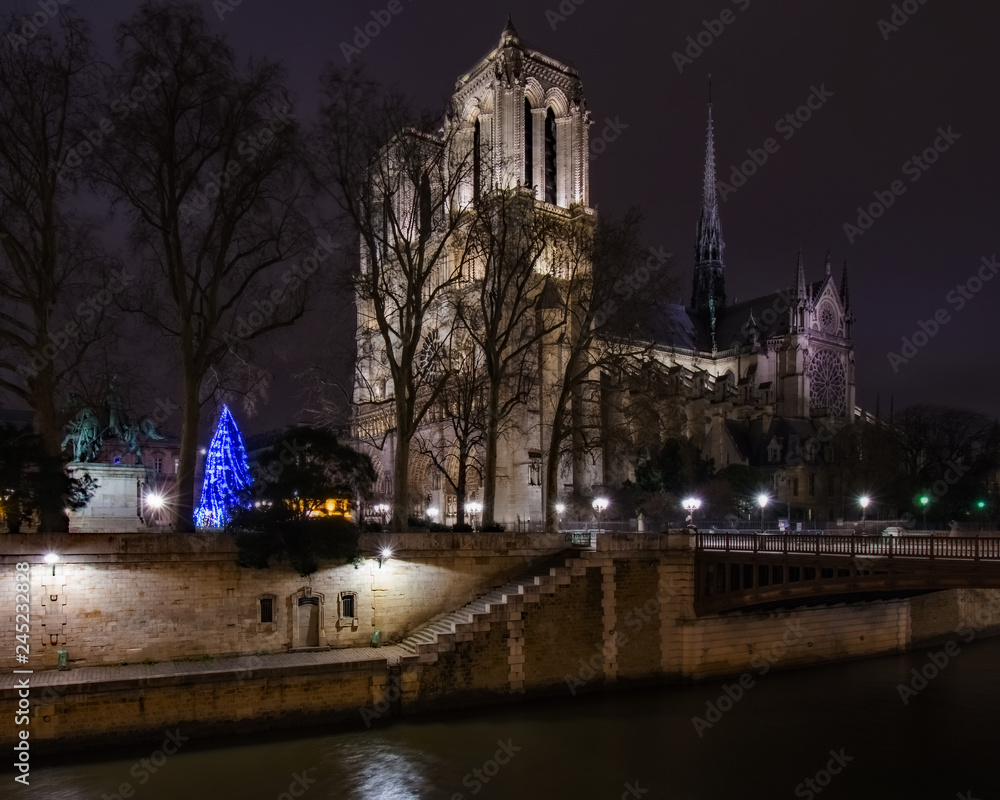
(676, 326)
(673, 325)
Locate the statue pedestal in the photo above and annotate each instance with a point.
(114, 508)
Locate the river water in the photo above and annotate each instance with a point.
(833, 731)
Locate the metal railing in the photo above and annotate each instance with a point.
(931, 547)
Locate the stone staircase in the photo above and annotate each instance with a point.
(545, 574)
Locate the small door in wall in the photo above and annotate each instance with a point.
(309, 621)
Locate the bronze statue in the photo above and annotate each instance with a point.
(86, 434)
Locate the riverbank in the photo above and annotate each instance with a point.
(777, 735)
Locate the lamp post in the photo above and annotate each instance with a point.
(762, 500)
(863, 502)
(600, 504)
(560, 508)
(433, 512)
(924, 500)
(691, 504)
(52, 558)
(474, 508)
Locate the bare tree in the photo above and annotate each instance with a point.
(598, 296)
(205, 160)
(511, 235)
(396, 185)
(453, 437)
(54, 300)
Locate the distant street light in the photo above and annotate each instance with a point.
(864, 501)
(432, 512)
(52, 558)
(762, 500)
(474, 508)
(924, 500)
(600, 504)
(560, 508)
(691, 504)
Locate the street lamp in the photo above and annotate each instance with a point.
(924, 500)
(52, 558)
(384, 555)
(560, 508)
(691, 504)
(600, 504)
(474, 508)
(762, 500)
(864, 501)
(432, 512)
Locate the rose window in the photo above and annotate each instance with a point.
(828, 382)
(828, 322)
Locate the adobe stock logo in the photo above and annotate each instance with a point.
(958, 298)
(914, 169)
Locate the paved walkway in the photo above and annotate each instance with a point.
(234, 665)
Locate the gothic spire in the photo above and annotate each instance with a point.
(845, 289)
(709, 272)
(800, 279)
(828, 267)
(509, 33)
(710, 242)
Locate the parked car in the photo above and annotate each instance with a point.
(894, 530)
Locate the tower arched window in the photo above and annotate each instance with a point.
(550, 157)
(425, 206)
(477, 163)
(529, 149)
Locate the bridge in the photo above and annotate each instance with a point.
(743, 570)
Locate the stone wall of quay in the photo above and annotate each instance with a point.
(130, 598)
(619, 616)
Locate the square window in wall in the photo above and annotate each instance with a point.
(348, 605)
(266, 609)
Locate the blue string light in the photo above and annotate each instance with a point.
(227, 475)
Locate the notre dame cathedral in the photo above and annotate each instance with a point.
(763, 383)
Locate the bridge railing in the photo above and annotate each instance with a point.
(966, 548)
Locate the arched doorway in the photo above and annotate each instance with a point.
(307, 623)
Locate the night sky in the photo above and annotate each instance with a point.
(888, 93)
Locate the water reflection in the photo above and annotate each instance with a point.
(775, 738)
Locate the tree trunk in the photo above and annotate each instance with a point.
(550, 486)
(52, 516)
(460, 484)
(401, 485)
(401, 467)
(190, 417)
(492, 437)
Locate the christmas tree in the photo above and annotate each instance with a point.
(227, 476)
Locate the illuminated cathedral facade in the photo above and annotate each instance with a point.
(756, 383)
